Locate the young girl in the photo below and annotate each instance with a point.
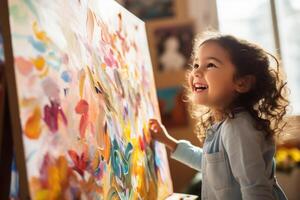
(238, 101)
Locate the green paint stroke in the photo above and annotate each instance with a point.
(18, 14)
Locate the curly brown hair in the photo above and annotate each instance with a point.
(266, 100)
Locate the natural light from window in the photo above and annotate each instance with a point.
(252, 20)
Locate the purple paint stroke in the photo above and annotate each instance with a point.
(51, 114)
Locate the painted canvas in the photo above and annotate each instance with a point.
(85, 93)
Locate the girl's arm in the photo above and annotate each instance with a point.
(188, 154)
(243, 145)
(182, 150)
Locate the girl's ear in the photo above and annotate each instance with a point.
(245, 83)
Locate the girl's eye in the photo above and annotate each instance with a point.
(209, 65)
(195, 66)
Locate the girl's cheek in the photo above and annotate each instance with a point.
(190, 79)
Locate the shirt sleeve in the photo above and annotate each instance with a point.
(188, 154)
(243, 145)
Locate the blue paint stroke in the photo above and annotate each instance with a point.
(55, 64)
(120, 163)
(53, 61)
(66, 76)
(116, 163)
(39, 46)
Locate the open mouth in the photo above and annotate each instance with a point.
(199, 87)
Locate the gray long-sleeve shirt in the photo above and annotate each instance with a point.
(236, 161)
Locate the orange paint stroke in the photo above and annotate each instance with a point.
(33, 124)
(41, 35)
(39, 63)
(106, 150)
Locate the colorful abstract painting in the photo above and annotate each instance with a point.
(85, 92)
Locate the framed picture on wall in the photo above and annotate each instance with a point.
(172, 108)
(171, 44)
(155, 9)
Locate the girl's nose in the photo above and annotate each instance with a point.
(198, 72)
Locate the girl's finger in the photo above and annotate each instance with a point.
(154, 128)
(153, 122)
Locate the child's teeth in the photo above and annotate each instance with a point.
(200, 87)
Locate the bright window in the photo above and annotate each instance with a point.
(252, 20)
(288, 12)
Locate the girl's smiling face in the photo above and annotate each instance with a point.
(212, 78)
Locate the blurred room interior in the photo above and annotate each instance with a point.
(272, 24)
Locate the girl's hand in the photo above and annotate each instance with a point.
(159, 133)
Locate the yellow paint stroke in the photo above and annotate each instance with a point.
(145, 186)
(53, 181)
(33, 124)
(146, 132)
(121, 60)
(103, 66)
(26, 102)
(56, 181)
(44, 73)
(41, 194)
(94, 81)
(81, 82)
(91, 77)
(95, 161)
(138, 172)
(113, 39)
(127, 132)
(41, 35)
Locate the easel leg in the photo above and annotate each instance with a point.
(6, 152)
(14, 129)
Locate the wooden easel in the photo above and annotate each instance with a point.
(10, 125)
(6, 145)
